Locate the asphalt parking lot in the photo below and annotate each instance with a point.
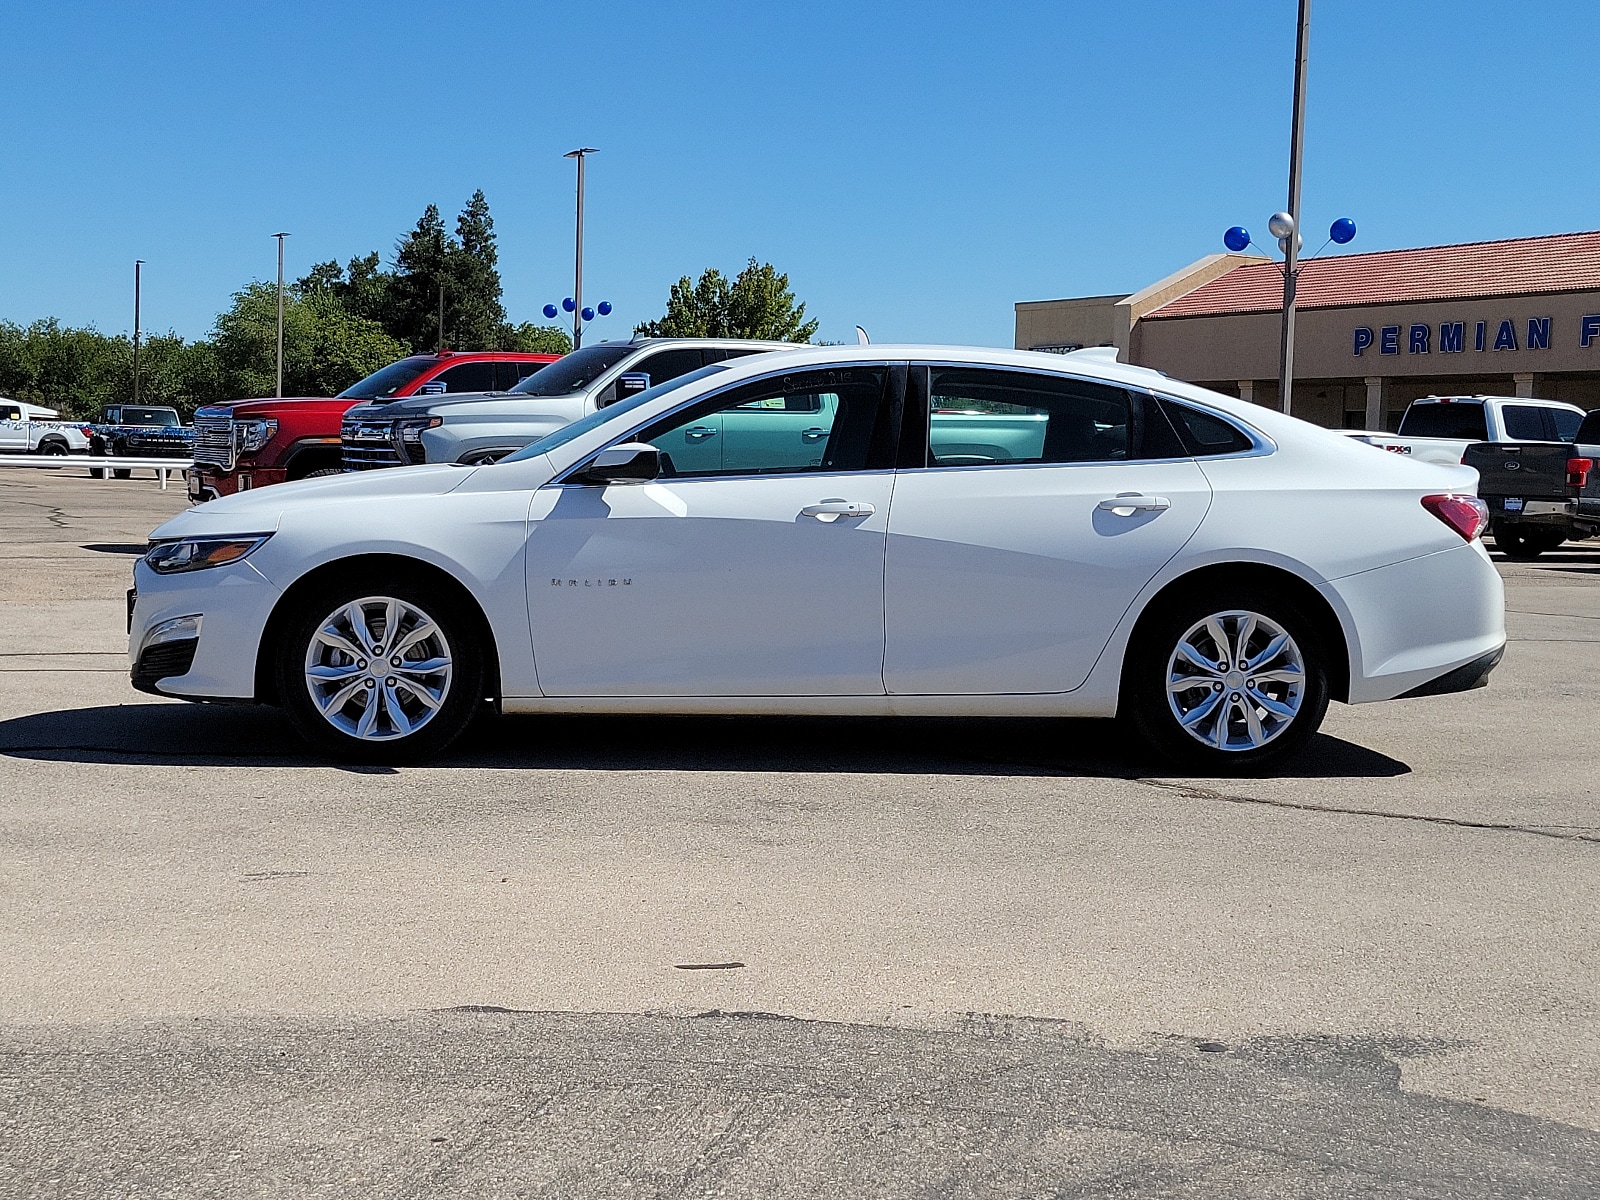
(742, 957)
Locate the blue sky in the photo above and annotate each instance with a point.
(915, 168)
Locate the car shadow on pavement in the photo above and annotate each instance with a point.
(183, 734)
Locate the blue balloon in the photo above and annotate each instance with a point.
(605, 308)
(568, 304)
(1342, 230)
(588, 313)
(1236, 239)
(549, 310)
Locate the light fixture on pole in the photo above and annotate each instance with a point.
(1285, 226)
(575, 304)
(137, 284)
(280, 237)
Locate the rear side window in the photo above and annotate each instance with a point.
(1567, 424)
(980, 416)
(1524, 422)
(1205, 435)
(1456, 419)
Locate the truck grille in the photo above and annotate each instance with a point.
(368, 445)
(213, 441)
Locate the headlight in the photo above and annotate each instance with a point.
(411, 431)
(197, 554)
(254, 433)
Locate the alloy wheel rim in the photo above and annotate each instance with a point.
(1236, 681)
(378, 668)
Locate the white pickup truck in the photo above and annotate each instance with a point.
(28, 429)
(1438, 429)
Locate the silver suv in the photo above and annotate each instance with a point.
(480, 427)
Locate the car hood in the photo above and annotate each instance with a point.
(415, 405)
(273, 406)
(262, 511)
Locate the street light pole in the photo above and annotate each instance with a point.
(280, 237)
(137, 264)
(441, 319)
(577, 284)
(1291, 244)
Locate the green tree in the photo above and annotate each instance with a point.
(465, 264)
(758, 303)
(326, 348)
(534, 339)
(363, 287)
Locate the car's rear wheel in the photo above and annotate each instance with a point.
(53, 449)
(381, 670)
(1227, 682)
(122, 473)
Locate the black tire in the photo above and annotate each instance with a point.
(1525, 542)
(53, 449)
(121, 473)
(460, 694)
(323, 473)
(1146, 708)
(97, 472)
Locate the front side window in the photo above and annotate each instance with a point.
(466, 377)
(980, 416)
(826, 420)
(1523, 422)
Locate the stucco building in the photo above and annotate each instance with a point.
(1373, 331)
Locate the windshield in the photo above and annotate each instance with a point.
(383, 383)
(576, 371)
(599, 417)
(146, 416)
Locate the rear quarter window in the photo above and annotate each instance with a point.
(1205, 435)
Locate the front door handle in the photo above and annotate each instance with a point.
(832, 510)
(1125, 504)
(813, 434)
(699, 433)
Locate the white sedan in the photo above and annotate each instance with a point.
(847, 531)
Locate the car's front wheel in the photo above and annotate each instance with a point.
(1228, 682)
(381, 670)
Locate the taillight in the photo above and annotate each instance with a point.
(1578, 472)
(1467, 515)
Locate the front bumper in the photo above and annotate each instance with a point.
(212, 483)
(234, 603)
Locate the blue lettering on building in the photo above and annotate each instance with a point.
(1506, 338)
(1419, 338)
(1588, 328)
(1483, 327)
(1364, 339)
(1450, 335)
(1538, 333)
(1389, 340)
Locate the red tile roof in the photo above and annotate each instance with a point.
(1560, 262)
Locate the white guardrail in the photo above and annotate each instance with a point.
(163, 467)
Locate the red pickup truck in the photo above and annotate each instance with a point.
(254, 443)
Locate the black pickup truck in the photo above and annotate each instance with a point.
(1540, 494)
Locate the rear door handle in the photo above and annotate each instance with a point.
(813, 434)
(1125, 504)
(834, 509)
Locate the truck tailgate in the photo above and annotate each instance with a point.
(1513, 474)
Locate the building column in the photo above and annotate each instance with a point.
(1524, 382)
(1247, 390)
(1375, 415)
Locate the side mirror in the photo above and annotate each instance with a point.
(630, 383)
(629, 462)
(432, 389)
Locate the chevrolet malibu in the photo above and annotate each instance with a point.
(847, 531)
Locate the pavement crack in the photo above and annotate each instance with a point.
(1189, 791)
